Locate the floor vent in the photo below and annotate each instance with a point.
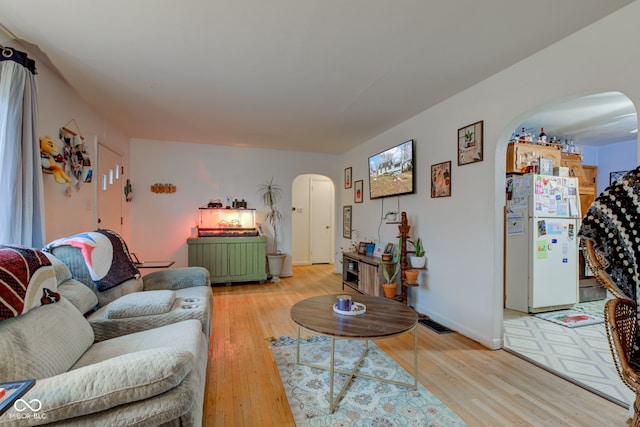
(434, 326)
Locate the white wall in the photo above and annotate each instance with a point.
(58, 103)
(463, 287)
(161, 223)
(614, 158)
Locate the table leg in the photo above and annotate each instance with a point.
(332, 403)
(298, 347)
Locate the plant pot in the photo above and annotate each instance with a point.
(275, 262)
(412, 276)
(418, 261)
(387, 257)
(389, 289)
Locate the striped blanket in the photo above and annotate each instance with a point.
(27, 280)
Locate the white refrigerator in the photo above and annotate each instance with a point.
(541, 252)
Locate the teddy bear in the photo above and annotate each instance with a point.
(49, 155)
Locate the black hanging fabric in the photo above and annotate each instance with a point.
(10, 54)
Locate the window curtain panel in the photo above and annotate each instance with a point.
(21, 183)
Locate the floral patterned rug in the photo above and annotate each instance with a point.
(366, 402)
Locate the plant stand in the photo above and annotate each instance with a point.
(403, 229)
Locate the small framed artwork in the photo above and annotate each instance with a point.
(357, 191)
(347, 177)
(362, 248)
(12, 391)
(441, 179)
(389, 248)
(470, 143)
(613, 176)
(346, 222)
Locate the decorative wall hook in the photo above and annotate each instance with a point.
(128, 191)
(163, 188)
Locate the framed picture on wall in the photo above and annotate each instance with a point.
(470, 143)
(347, 178)
(441, 179)
(346, 222)
(357, 191)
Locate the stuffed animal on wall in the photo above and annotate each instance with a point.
(50, 157)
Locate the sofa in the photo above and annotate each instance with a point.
(156, 299)
(146, 370)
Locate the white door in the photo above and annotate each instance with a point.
(321, 221)
(110, 189)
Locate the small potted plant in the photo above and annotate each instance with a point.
(419, 259)
(391, 216)
(270, 193)
(390, 286)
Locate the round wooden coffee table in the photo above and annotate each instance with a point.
(384, 318)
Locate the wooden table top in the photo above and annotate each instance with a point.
(384, 317)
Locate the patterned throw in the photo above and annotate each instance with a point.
(612, 223)
(106, 255)
(27, 280)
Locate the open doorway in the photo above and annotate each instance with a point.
(604, 129)
(313, 220)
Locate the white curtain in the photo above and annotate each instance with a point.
(21, 184)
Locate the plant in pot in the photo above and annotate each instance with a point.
(390, 287)
(270, 193)
(419, 259)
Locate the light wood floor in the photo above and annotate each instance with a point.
(484, 387)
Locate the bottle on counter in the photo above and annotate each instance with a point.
(542, 136)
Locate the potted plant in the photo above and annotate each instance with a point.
(419, 259)
(412, 276)
(270, 193)
(389, 286)
(391, 216)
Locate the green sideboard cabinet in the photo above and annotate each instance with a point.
(230, 259)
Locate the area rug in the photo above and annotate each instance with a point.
(366, 402)
(570, 318)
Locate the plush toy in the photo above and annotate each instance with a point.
(50, 156)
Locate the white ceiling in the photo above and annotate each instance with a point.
(310, 75)
(596, 120)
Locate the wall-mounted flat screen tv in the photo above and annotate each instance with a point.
(391, 172)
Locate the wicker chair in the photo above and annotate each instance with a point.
(621, 323)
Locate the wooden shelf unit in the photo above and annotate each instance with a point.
(519, 155)
(365, 276)
(587, 179)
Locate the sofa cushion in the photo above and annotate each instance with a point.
(140, 304)
(186, 335)
(190, 303)
(79, 295)
(117, 381)
(46, 341)
(62, 271)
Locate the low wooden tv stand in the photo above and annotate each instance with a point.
(361, 273)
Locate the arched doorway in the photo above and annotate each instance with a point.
(313, 220)
(604, 125)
